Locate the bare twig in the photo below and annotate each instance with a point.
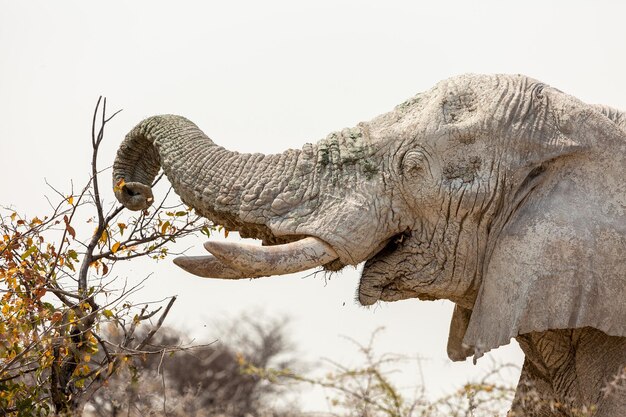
(153, 331)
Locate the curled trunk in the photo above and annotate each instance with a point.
(279, 198)
(232, 189)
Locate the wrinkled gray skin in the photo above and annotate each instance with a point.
(499, 193)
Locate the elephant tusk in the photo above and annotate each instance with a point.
(273, 260)
(209, 267)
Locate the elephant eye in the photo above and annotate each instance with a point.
(413, 164)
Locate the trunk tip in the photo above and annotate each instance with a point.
(133, 195)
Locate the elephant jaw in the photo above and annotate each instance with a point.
(234, 260)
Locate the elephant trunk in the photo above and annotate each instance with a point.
(235, 190)
(267, 197)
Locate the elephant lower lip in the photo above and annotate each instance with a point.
(374, 283)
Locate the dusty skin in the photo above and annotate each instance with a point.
(499, 193)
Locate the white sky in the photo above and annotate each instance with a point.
(264, 76)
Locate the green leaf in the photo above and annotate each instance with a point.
(72, 255)
(29, 252)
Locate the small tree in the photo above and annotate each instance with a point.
(58, 291)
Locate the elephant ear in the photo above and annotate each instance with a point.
(559, 260)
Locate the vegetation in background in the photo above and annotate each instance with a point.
(256, 373)
(368, 389)
(205, 381)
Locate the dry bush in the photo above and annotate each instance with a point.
(203, 381)
(368, 390)
(57, 290)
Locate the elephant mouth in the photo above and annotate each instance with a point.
(235, 260)
(392, 244)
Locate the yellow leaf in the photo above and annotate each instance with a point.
(87, 358)
(104, 236)
(96, 265)
(164, 227)
(70, 200)
(119, 185)
(115, 247)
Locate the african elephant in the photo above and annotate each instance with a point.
(499, 193)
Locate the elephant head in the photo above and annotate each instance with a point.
(499, 193)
